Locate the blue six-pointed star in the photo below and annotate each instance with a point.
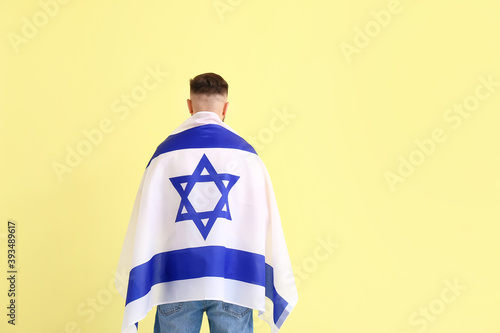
(204, 173)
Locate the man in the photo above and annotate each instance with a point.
(205, 233)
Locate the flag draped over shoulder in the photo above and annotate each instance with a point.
(205, 226)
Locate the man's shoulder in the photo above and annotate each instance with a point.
(204, 136)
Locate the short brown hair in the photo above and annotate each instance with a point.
(208, 84)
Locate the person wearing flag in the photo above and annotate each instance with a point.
(205, 235)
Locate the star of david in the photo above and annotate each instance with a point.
(204, 173)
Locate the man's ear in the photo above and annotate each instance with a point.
(224, 110)
(190, 106)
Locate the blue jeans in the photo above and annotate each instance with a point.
(186, 317)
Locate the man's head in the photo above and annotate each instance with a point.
(208, 92)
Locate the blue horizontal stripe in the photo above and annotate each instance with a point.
(279, 304)
(191, 263)
(205, 136)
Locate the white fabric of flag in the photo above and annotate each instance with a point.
(205, 226)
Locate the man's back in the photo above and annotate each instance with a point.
(205, 226)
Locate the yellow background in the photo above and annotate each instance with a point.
(393, 251)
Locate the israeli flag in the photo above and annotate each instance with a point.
(205, 226)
